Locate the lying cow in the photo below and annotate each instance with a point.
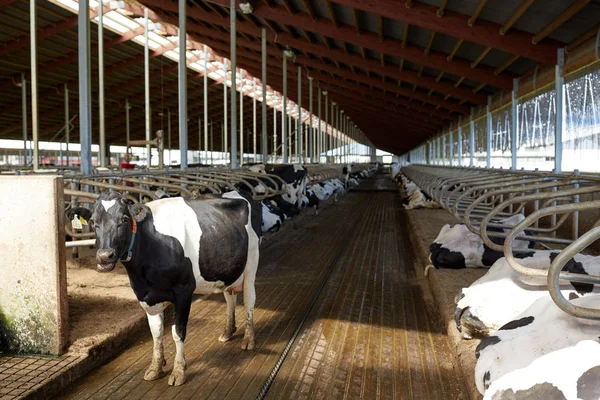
(456, 247)
(173, 248)
(310, 200)
(272, 216)
(502, 293)
(419, 199)
(541, 329)
(571, 373)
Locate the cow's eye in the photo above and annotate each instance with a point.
(92, 224)
(124, 219)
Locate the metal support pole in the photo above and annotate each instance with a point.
(233, 58)
(225, 136)
(444, 150)
(488, 129)
(147, 88)
(472, 138)
(182, 84)
(460, 141)
(85, 92)
(264, 96)
(34, 83)
(560, 110)
(299, 142)
(311, 144)
(212, 137)
(127, 131)
(101, 123)
(24, 116)
(289, 135)
(67, 123)
(326, 133)
(254, 120)
(284, 119)
(515, 123)
(450, 147)
(274, 130)
(205, 104)
(168, 130)
(200, 140)
(320, 132)
(241, 120)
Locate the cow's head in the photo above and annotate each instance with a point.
(114, 219)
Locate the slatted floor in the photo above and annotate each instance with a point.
(369, 335)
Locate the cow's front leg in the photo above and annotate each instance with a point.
(183, 303)
(155, 370)
(249, 299)
(231, 300)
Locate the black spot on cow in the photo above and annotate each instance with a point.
(80, 211)
(490, 256)
(485, 342)
(540, 391)
(588, 386)
(577, 268)
(517, 323)
(486, 380)
(442, 257)
(573, 296)
(527, 254)
(472, 326)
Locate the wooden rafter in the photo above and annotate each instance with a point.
(478, 11)
(380, 27)
(331, 13)
(480, 57)
(356, 23)
(440, 11)
(405, 34)
(515, 16)
(506, 64)
(310, 9)
(430, 42)
(560, 19)
(454, 50)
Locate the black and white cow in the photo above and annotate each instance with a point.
(502, 293)
(456, 247)
(572, 373)
(294, 176)
(272, 216)
(310, 200)
(541, 329)
(173, 248)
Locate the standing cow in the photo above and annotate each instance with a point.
(173, 248)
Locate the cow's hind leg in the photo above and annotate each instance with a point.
(231, 300)
(250, 297)
(183, 302)
(155, 321)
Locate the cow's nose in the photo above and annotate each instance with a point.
(105, 255)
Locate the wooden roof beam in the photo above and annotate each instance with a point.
(478, 11)
(346, 33)
(560, 19)
(506, 64)
(440, 11)
(453, 24)
(515, 16)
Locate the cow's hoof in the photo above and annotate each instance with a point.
(154, 372)
(226, 336)
(248, 343)
(177, 377)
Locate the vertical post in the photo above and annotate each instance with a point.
(560, 110)
(311, 138)
(168, 129)
(326, 141)
(200, 140)
(264, 96)
(212, 137)
(331, 137)
(488, 125)
(274, 130)
(299, 142)
(24, 116)
(85, 98)
(320, 132)
(241, 119)
(254, 119)
(67, 123)
(472, 138)
(451, 146)
(205, 104)
(225, 116)
(127, 136)
(147, 89)
(444, 149)
(101, 125)
(182, 85)
(460, 141)
(34, 82)
(515, 123)
(284, 118)
(233, 58)
(289, 134)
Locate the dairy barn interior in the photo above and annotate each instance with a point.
(300, 199)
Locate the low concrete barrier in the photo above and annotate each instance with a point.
(33, 281)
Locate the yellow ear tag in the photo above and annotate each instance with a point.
(83, 221)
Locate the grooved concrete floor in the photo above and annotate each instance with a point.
(371, 333)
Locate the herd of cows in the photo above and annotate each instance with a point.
(175, 247)
(529, 348)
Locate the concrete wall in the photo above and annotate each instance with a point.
(33, 282)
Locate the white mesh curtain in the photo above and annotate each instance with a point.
(480, 143)
(537, 123)
(581, 136)
(501, 138)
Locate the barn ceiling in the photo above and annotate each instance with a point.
(401, 69)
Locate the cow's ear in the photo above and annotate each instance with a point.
(127, 202)
(139, 211)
